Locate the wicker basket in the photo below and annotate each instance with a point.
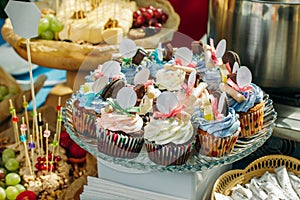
(257, 168)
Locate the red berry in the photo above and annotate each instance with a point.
(57, 158)
(39, 159)
(140, 20)
(76, 151)
(158, 26)
(157, 13)
(43, 167)
(148, 14)
(150, 7)
(164, 18)
(136, 14)
(43, 159)
(26, 195)
(142, 10)
(37, 166)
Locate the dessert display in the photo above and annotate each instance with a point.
(195, 117)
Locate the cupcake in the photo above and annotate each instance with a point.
(90, 99)
(119, 128)
(217, 125)
(169, 135)
(246, 99)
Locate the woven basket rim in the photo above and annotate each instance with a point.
(240, 176)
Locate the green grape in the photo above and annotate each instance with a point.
(2, 194)
(12, 164)
(47, 35)
(20, 188)
(12, 179)
(43, 25)
(8, 153)
(50, 17)
(56, 25)
(11, 192)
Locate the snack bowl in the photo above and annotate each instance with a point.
(257, 168)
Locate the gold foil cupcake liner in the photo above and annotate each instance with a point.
(117, 144)
(252, 121)
(216, 146)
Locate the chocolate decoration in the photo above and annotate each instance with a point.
(139, 56)
(231, 57)
(112, 89)
(232, 77)
(196, 47)
(168, 53)
(140, 90)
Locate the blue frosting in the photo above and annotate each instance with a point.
(130, 71)
(223, 128)
(255, 96)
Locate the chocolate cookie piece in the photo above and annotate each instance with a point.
(112, 89)
(231, 57)
(140, 90)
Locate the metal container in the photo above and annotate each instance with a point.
(266, 35)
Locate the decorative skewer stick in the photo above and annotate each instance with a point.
(25, 106)
(32, 87)
(59, 120)
(31, 146)
(15, 121)
(54, 144)
(47, 135)
(41, 123)
(23, 140)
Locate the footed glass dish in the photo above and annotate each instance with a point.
(195, 162)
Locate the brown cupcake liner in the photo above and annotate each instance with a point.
(169, 154)
(84, 121)
(216, 146)
(119, 144)
(252, 121)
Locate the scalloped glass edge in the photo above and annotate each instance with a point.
(196, 162)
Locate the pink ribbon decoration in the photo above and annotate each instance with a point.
(98, 75)
(237, 88)
(228, 68)
(149, 82)
(213, 51)
(178, 61)
(188, 88)
(178, 109)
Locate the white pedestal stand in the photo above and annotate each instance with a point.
(191, 185)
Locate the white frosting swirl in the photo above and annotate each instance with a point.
(168, 130)
(114, 121)
(170, 79)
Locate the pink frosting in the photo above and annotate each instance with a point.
(120, 122)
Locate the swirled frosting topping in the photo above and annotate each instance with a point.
(170, 80)
(253, 97)
(172, 130)
(115, 121)
(219, 128)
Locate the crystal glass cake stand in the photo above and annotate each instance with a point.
(196, 162)
(193, 180)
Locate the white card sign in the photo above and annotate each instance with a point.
(25, 17)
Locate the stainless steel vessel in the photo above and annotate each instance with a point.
(266, 35)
